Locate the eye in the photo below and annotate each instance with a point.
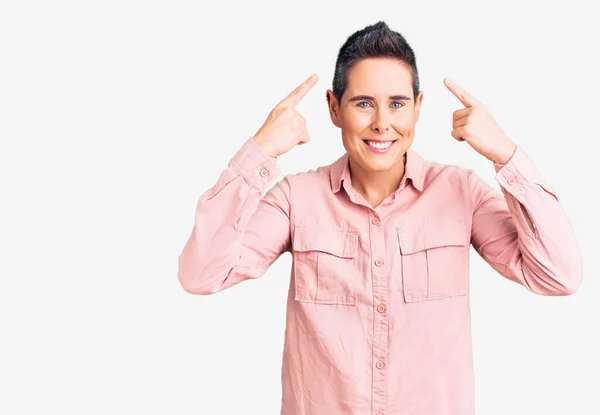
(400, 104)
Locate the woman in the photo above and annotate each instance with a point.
(378, 318)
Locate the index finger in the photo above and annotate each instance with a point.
(297, 94)
(467, 99)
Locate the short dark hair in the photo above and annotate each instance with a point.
(374, 41)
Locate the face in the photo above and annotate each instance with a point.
(377, 113)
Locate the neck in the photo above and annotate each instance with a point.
(375, 186)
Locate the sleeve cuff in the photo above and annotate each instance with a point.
(256, 167)
(518, 174)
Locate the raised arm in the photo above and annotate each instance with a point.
(238, 233)
(523, 233)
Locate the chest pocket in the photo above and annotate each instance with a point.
(435, 259)
(324, 265)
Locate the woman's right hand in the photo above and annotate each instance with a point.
(285, 127)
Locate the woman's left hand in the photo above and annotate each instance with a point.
(475, 125)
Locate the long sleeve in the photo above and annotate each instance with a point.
(237, 233)
(524, 234)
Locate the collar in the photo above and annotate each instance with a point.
(413, 170)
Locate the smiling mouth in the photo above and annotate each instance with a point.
(379, 146)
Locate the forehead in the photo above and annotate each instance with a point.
(379, 76)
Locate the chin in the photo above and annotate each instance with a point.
(377, 163)
(382, 162)
(380, 165)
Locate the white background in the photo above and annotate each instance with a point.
(116, 116)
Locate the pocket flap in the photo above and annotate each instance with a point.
(427, 234)
(339, 242)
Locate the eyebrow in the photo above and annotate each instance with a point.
(367, 97)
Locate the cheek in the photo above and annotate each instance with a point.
(356, 122)
(403, 122)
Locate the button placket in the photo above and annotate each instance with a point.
(378, 249)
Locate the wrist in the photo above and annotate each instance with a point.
(505, 156)
(265, 147)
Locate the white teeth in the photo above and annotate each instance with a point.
(380, 145)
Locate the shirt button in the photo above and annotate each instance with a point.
(511, 180)
(375, 221)
(379, 413)
(379, 262)
(264, 172)
(380, 365)
(381, 308)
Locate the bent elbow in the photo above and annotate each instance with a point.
(192, 288)
(570, 280)
(573, 282)
(556, 283)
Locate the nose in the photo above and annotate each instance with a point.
(381, 123)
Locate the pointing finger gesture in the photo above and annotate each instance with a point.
(475, 125)
(285, 127)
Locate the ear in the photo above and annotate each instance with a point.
(418, 103)
(334, 108)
